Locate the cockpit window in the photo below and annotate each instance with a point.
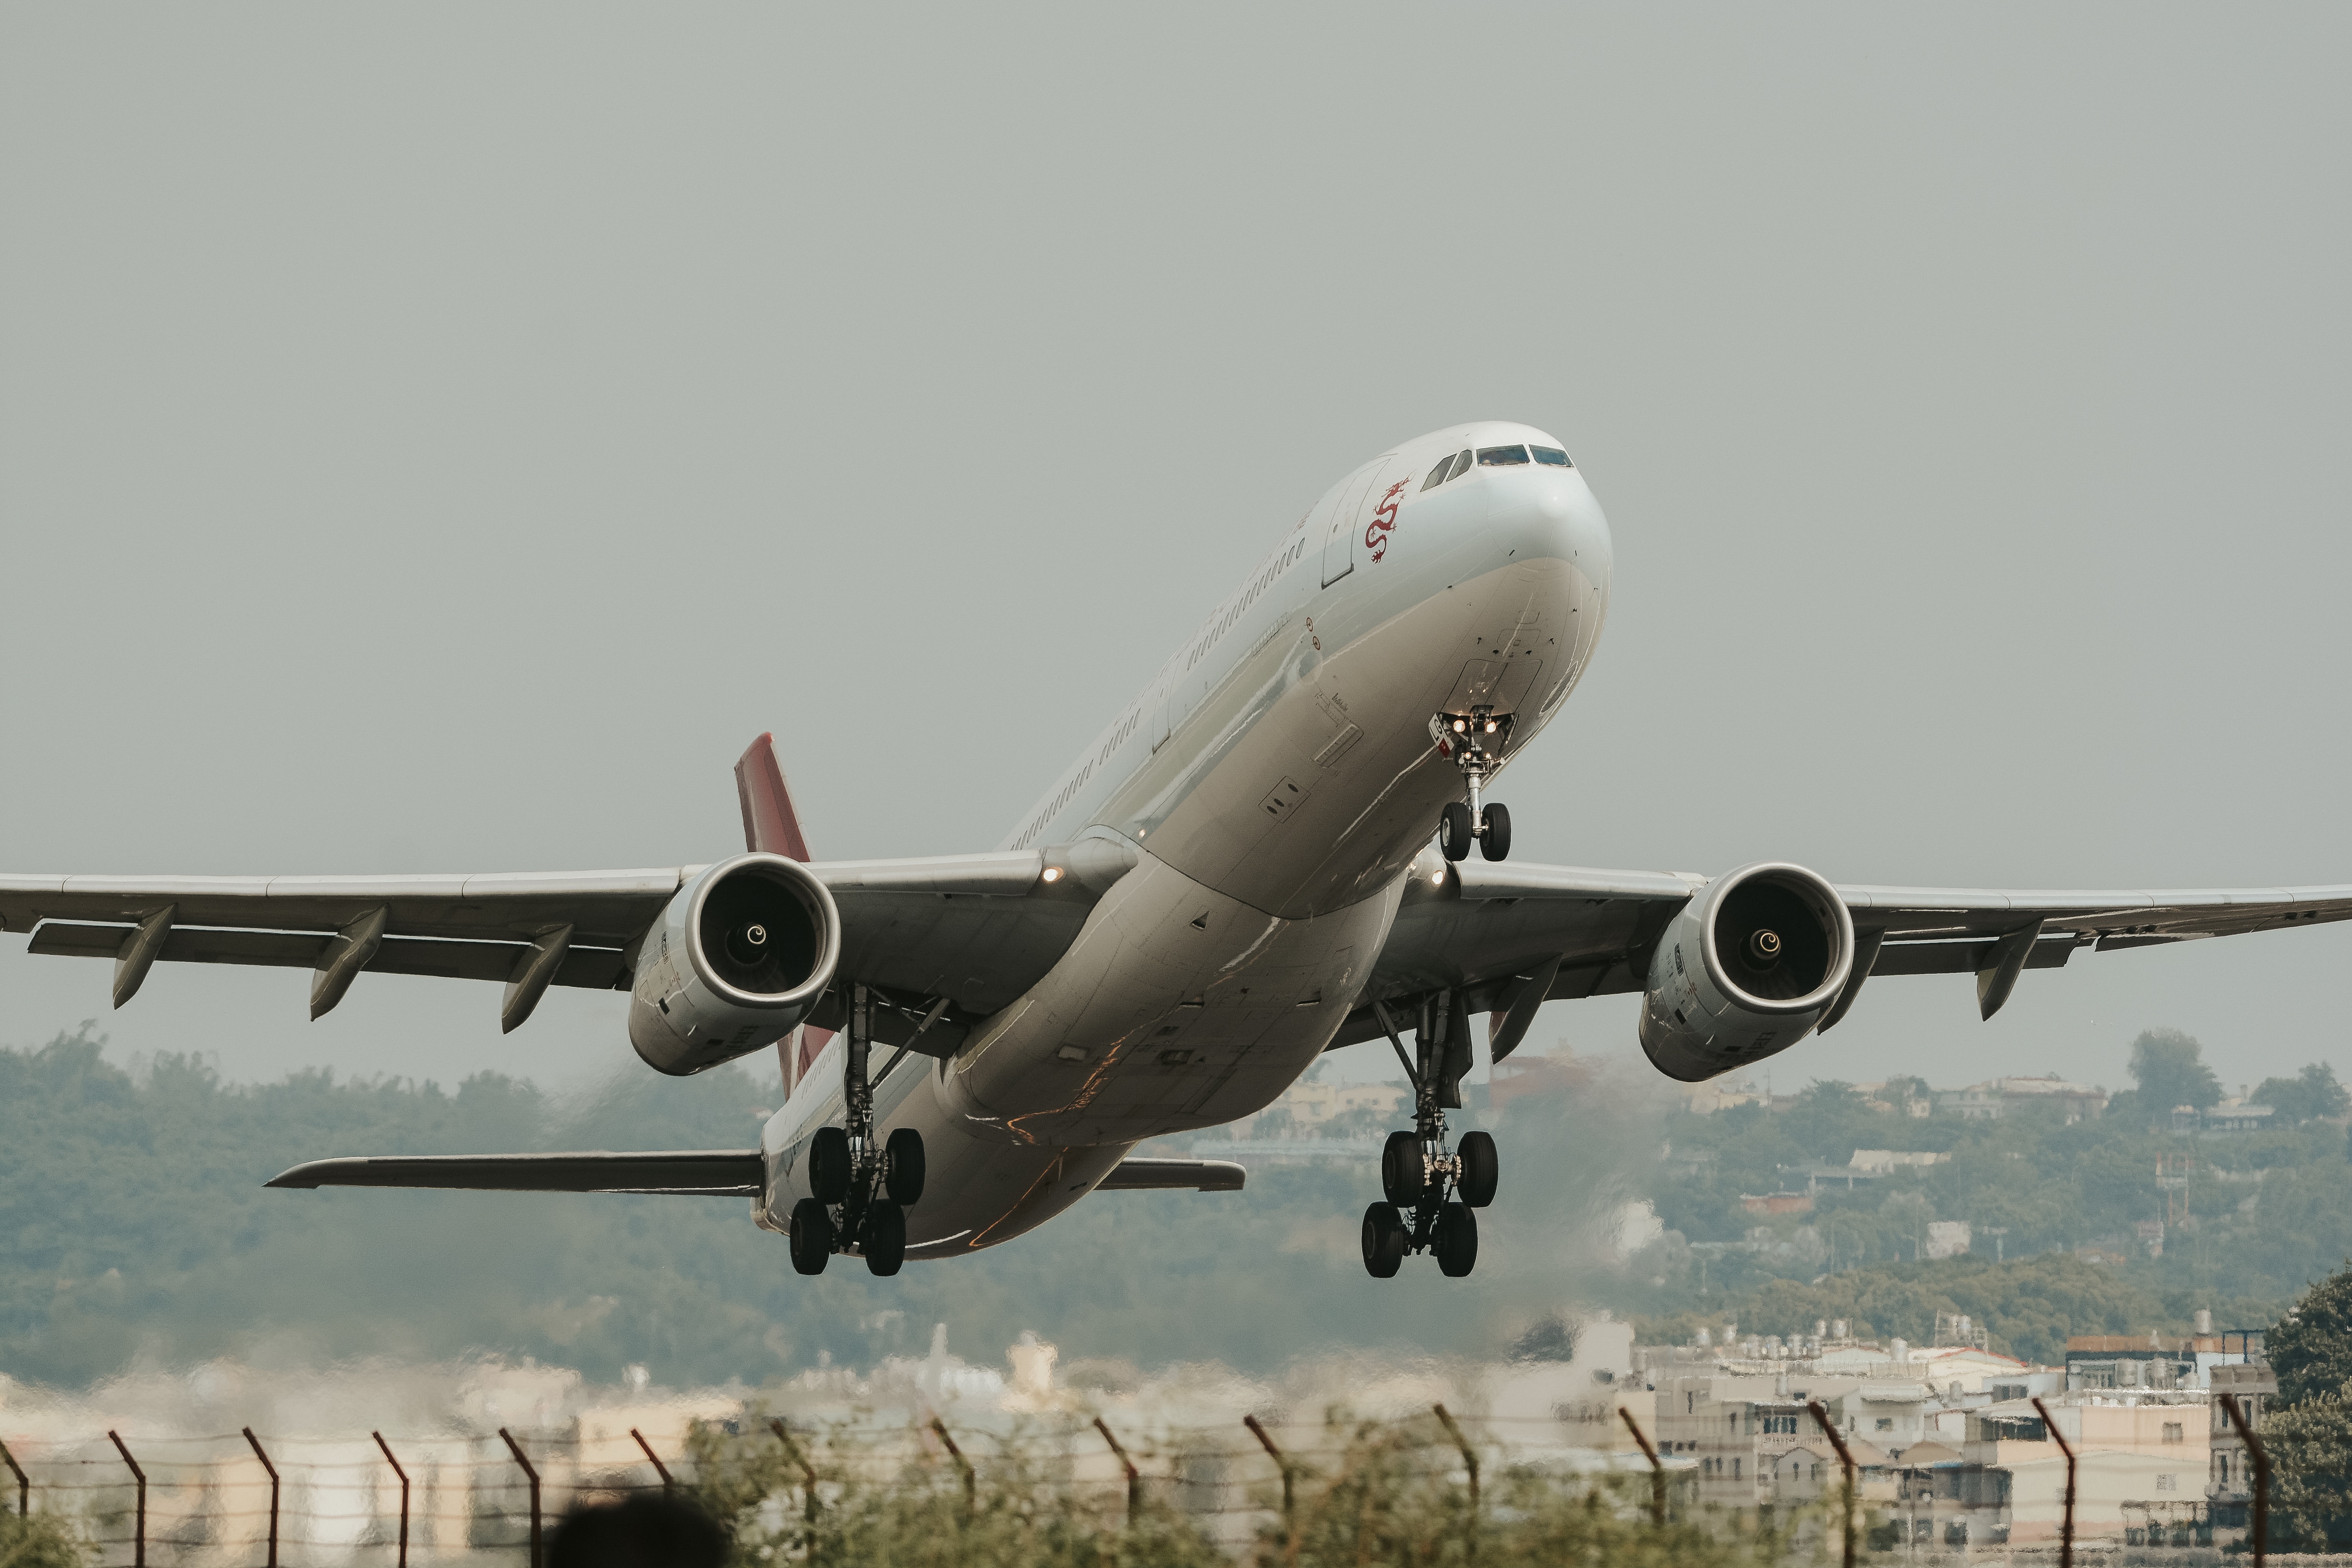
(1552, 455)
(1452, 467)
(1501, 457)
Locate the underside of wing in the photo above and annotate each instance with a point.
(1504, 938)
(703, 1172)
(975, 929)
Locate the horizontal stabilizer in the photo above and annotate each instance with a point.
(705, 1173)
(1198, 1175)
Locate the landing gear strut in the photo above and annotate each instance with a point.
(860, 1192)
(1465, 738)
(1428, 1193)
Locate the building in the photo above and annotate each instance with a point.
(2230, 1478)
(2000, 1097)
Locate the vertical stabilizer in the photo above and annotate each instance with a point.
(772, 824)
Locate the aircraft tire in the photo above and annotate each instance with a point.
(903, 1153)
(1383, 1240)
(829, 1167)
(1495, 842)
(1453, 831)
(1456, 1241)
(885, 1242)
(812, 1243)
(1403, 1176)
(1482, 1168)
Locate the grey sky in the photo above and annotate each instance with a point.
(438, 438)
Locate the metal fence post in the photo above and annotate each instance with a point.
(970, 1480)
(2262, 1476)
(404, 1494)
(1657, 1468)
(808, 1507)
(1289, 1496)
(516, 1449)
(1134, 1476)
(1845, 1458)
(138, 1541)
(1470, 1463)
(265, 1465)
(655, 1459)
(2066, 1520)
(24, 1487)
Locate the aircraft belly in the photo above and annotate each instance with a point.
(1179, 1008)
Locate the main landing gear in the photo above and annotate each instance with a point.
(1465, 738)
(861, 1194)
(1429, 1196)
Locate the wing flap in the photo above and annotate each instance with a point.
(703, 1172)
(594, 968)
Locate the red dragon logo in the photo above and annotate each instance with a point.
(1376, 532)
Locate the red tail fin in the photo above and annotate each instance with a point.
(772, 824)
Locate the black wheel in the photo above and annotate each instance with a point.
(1495, 842)
(1481, 1168)
(1456, 1241)
(885, 1241)
(828, 1166)
(1453, 831)
(1404, 1174)
(903, 1154)
(1383, 1240)
(812, 1237)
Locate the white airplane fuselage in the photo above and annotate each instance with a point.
(1276, 782)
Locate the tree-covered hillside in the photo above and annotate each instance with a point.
(136, 1227)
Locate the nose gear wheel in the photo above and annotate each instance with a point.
(1474, 742)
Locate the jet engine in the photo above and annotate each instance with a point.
(1746, 969)
(737, 960)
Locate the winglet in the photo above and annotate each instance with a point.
(771, 824)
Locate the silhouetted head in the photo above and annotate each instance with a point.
(651, 1530)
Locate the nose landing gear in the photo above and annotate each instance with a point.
(1428, 1194)
(1464, 737)
(860, 1194)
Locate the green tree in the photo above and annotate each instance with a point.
(2311, 1093)
(2311, 1351)
(2170, 1068)
(2310, 1447)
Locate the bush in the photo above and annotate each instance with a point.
(41, 1540)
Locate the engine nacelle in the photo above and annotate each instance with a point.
(1746, 969)
(735, 963)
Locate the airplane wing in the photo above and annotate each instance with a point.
(976, 928)
(1508, 937)
(686, 1173)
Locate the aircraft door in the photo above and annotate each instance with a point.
(1340, 522)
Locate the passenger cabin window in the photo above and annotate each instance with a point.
(1553, 456)
(1501, 457)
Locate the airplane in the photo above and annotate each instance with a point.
(1266, 855)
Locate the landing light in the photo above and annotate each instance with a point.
(1459, 726)
(1053, 873)
(1437, 879)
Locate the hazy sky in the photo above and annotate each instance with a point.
(438, 438)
